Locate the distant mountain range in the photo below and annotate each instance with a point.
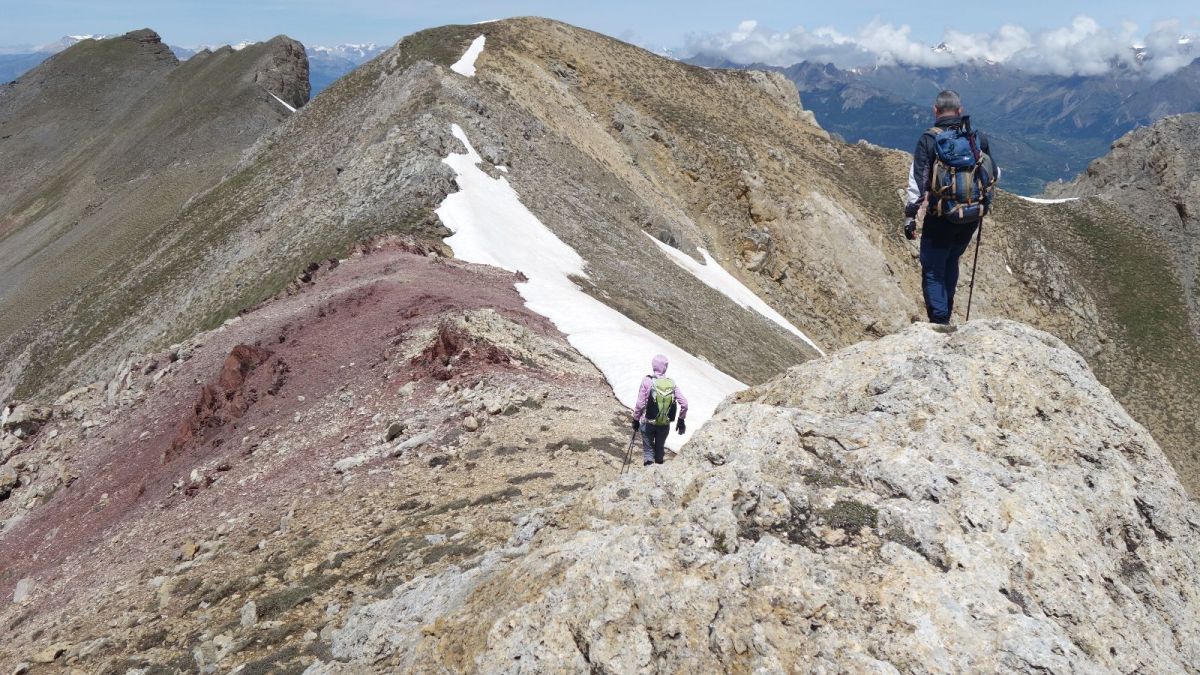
(1046, 127)
(326, 64)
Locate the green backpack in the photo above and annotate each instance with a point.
(660, 409)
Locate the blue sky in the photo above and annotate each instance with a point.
(667, 23)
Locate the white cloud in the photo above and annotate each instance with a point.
(1083, 47)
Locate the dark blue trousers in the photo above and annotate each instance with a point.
(942, 244)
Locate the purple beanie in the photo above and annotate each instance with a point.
(659, 364)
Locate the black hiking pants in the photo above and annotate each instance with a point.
(654, 442)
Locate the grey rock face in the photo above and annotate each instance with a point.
(1154, 173)
(284, 71)
(938, 501)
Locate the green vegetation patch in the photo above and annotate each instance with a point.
(850, 515)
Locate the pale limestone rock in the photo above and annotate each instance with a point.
(23, 590)
(249, 615)
(949, 501)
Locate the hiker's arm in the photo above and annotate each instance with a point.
(682, 401)
(918, 176)
(642, 399)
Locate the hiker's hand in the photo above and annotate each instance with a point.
(635, 424)
(680, 427)
(910, 229)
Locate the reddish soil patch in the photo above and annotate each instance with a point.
(453, 349)
(335, 336)
(233, 393)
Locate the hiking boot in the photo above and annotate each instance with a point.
(647, 463)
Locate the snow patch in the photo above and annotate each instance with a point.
(501, 168)
(282, 102)
(491, 226)
(1041, 200)
(466, 65)
(716, 277)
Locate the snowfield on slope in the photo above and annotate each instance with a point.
(466, 65)
(717, 278)
(1043, 200)
(492, 227)
(283, 102)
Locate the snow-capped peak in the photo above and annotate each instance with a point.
(942, 48)
(212, 48)
(357, 53)
(67, 41)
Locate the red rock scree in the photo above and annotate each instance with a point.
(239, 386)
(452, 347)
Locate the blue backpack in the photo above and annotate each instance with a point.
(962, 176)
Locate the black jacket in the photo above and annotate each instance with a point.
(922, 165)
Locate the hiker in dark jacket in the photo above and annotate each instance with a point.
(942, 242)
(654, 431)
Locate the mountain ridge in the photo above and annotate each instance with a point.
(170, 130)
(806, 223)
(1154, 174)
(297, 428)
(1050, 126)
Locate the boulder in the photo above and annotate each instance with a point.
(26, 419)
(393, 431)
(23, 590)
(945, 501)
(8, 481)
(9, 444)
(249, 615)
(347, 463)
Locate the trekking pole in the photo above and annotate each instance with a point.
(629, 451)
(971, 294)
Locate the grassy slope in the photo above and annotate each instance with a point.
(1153, 360)
(137, 162)
(165, 264)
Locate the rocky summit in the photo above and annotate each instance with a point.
(969, 501)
